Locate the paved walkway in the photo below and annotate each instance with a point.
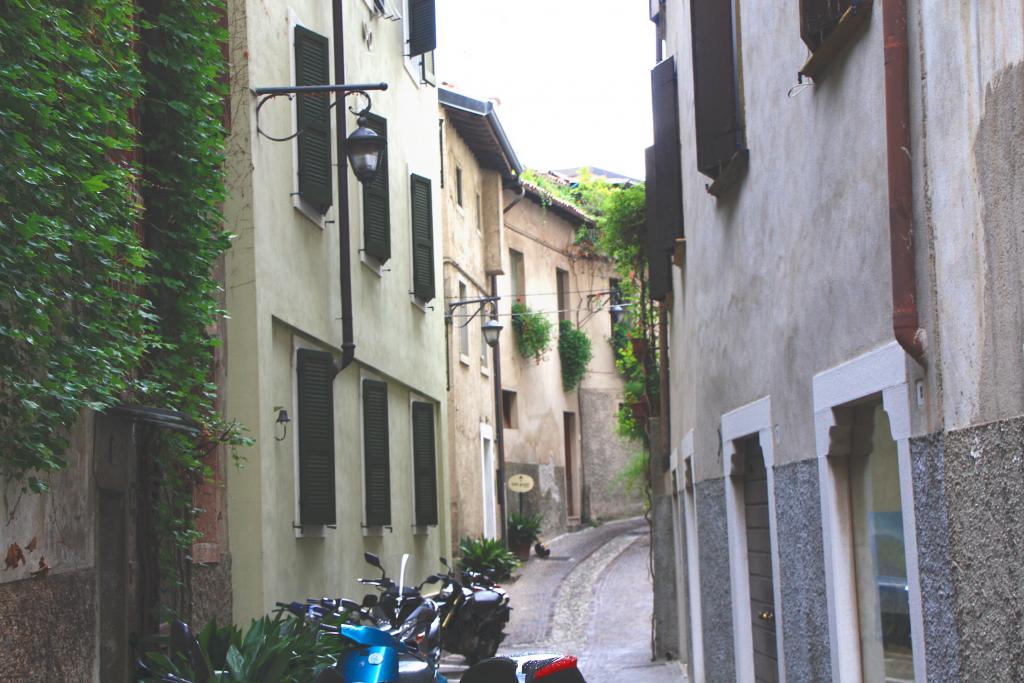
(591, 598)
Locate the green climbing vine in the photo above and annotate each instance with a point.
(575, 353)
(533, 331)
(110, 193)
(73, 325)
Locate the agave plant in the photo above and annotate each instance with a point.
(486, 554)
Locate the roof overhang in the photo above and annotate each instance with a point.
(478, 124)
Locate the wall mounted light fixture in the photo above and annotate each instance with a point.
(282, 419)
(362, 147)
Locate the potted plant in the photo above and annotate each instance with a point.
(486, 555)
(523, 531)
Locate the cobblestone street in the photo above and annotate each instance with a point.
(591, 598)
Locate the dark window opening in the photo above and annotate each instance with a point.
(562, 282)
(508, 408)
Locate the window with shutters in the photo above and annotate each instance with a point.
(827, 27)
(422, 202)
(376, 454)
(664, 220)
(721, 142)
(424, 460)
(377, 202)
(315, 426)
(420, 39)
(314, 170)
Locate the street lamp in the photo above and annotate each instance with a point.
(491, 328)
(363, 146)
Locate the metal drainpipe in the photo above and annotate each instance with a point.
(906, 325)
(518, 198)
(499, 422)
(348, 346)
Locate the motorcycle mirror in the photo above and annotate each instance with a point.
(369, 600)
(444, 561)
(350, 605)
(432, 579)
(181, 636)
(373, 560)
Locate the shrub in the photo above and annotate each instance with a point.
(523, 528)
(486, 554)
(533, 331)
(277, 649)
(575, 353)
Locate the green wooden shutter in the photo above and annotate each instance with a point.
(312, 67)
(818, 18)
(715, 100)
(376, 454)
(316, 437)
(424, 463)
(422, 238)
(422, 27)
(377, 201)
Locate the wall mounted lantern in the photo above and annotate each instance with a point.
(282, 419)
(601, 301)
(490, 327)
(362, 147)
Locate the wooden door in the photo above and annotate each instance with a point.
(759, 561)
(569, 429)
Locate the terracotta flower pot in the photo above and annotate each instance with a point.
(639, 345)
(521, 550)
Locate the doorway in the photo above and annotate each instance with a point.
(487, 478)
(759, 560)
(569, 429)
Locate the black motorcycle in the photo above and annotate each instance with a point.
(473, 611)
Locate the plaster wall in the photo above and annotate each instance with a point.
(803, 237)
(973, 200)
(546, 241)
(283, 275)
(471, 387)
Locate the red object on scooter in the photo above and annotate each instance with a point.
(562, 664)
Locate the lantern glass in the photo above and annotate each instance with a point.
(491, 329)
(363, 148)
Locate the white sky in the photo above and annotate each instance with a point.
(573, 76)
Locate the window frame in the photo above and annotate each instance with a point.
(881, 371)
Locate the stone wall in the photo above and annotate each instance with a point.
(802, 573)
(48, 631)
(716, 592)
(969, 486)
(605, 455)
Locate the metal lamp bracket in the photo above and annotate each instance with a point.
(341, 89)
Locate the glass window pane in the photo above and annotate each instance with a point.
(881, 558)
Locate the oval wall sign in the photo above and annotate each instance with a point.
(520, 483)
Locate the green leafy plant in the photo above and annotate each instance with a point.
(279, 648)
(533, 331)
(110, 192)
(523, 529)
(632, 478)
(575, 352)
(483, 554)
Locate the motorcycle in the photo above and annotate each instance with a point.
(473, 611)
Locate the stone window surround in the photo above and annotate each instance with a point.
(682, 468)
(753, 418)
(883, 370)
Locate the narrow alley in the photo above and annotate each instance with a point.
(601, 606)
